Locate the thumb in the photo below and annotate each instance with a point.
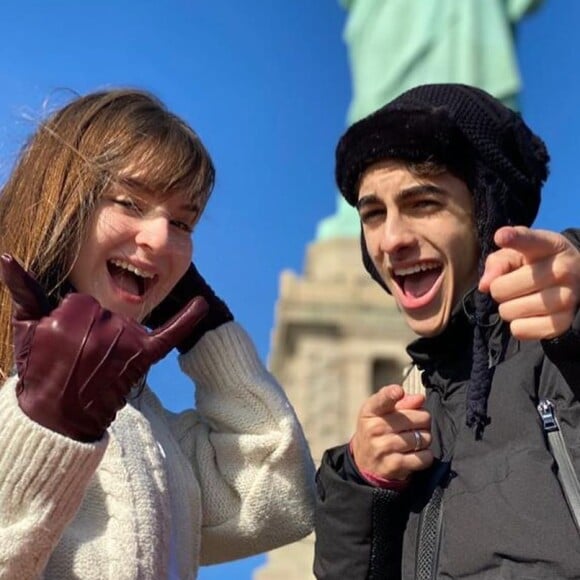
(409, 402)
(383, 402)
(159, 342)
(29, 299)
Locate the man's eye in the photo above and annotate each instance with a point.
(426, 204)
(371, 214)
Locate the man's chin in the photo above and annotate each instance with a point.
(427, 327)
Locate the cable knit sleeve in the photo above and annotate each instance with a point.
(247, 449)
(43, 477)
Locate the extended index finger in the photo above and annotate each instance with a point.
(532, 244)
(175, 330)
(520, 246)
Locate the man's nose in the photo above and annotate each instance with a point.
(396, 236)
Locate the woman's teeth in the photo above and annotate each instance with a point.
(132, 269)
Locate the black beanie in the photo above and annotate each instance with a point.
(481, 141)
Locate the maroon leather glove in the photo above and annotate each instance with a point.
(77, 364)
(191, 284)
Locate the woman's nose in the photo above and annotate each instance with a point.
(154, 233)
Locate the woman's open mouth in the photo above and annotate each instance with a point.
(130, 279)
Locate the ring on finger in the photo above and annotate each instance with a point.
(418, 440)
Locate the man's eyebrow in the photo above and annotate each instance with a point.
(408, 192)
(367, 199)
(420, 189)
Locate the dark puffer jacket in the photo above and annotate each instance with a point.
(487, 509)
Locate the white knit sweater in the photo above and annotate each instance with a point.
(232, 478)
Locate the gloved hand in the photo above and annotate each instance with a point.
(77, 364)
(191, 284)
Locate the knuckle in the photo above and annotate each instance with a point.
(495, 289)
(561, 324)
(492, 258)
(424, 420)
(426, 457)
(380, 447)
(395, 463)
(371, 429)
(568, 299)
(516, 329)
(505, 311)
(390, 445)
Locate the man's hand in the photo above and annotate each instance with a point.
(393, 434)
(535, 279)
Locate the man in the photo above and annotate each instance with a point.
(478, 479)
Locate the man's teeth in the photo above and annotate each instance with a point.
(133, 269)
(415, 269)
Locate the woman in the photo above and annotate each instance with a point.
(97, 480)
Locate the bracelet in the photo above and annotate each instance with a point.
(377, 480)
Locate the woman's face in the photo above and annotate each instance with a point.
(135, 251)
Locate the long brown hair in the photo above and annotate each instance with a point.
(70, 161)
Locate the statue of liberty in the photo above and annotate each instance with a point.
(394, 45)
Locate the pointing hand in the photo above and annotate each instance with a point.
(393, 434)
(535, 279)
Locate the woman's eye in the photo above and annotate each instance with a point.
(126, 203)
(182, 226)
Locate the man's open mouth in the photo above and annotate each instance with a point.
(415, 281)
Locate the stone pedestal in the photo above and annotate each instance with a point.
(337, 338)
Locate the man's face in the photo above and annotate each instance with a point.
(421, 237)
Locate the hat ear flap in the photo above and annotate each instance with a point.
(529, 158)
(368, 263)
(527, 151)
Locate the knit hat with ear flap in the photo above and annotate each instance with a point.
(479, 140)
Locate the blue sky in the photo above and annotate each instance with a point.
(266, 85)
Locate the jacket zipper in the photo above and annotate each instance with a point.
(429, 538)
(429, 534)
(566, 474)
